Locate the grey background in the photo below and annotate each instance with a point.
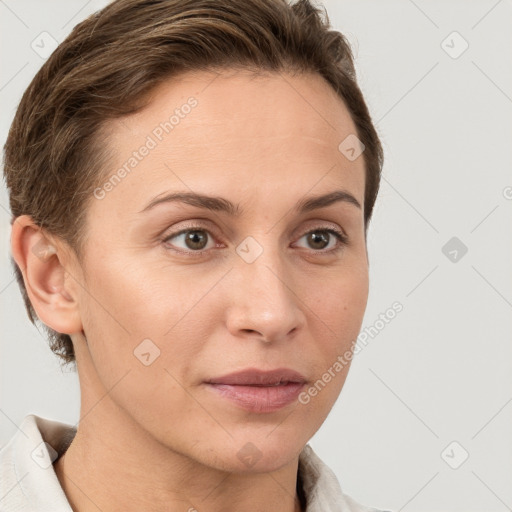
(441, 370)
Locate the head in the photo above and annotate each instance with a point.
(254, 104)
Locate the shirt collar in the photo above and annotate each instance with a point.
(321, 487)
(31, 452)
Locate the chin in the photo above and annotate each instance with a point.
(245, 453)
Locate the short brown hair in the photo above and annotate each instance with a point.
(54, 156)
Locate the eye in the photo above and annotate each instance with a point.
(320, 238)
(194, 238)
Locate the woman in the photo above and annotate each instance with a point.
(191, 184)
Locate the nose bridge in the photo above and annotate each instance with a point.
(265, 301)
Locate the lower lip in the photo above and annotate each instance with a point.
(260, 398)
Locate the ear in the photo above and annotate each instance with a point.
(51, 287)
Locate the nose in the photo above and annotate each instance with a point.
(266, 304)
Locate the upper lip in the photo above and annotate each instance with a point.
(256, 377)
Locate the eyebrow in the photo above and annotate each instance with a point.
(220, 204)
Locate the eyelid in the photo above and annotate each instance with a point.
(198, 224)
(202, 224)
(325, 224)
(190, 226)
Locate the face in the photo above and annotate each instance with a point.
(176, 294)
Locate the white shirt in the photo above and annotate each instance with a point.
(28, 482)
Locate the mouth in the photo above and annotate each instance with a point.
(259, 391)
(256, 377)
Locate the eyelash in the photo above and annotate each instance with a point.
(340, 236)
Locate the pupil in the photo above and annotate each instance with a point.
(316, 237)
(194, 238)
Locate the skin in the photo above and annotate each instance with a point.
(264, 142)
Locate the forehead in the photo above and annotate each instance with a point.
(233, 131)
(263, 104)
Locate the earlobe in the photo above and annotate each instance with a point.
(48, 283)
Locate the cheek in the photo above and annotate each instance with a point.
(335, 314)
(144, 370)
(338, 307)
(142, 313)
(149, 381)
(340, 312)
